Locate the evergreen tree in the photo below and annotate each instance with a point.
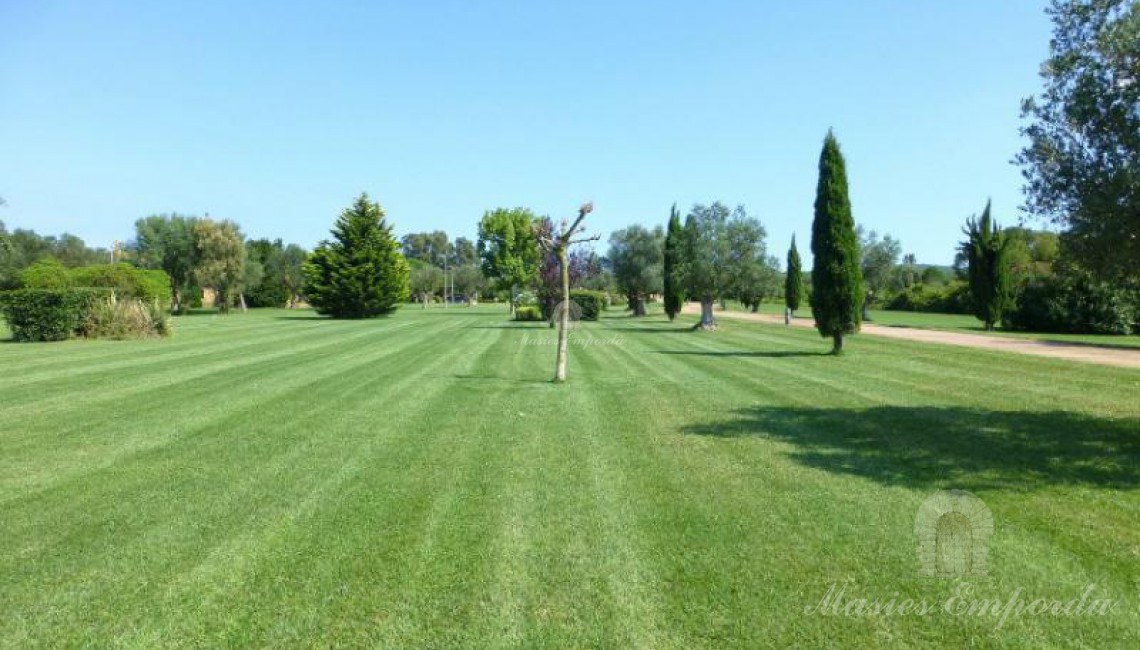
(361, 273)
(674, 245)
(986, 252)
(794, 280)
(837, 284)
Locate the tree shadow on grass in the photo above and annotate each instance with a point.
(944, 447)
(779, 354)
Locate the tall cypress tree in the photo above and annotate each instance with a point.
(986, 249)
(794, 280)
(837, 284)
(361, 272)
(674, 245)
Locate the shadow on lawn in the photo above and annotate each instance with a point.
(948, 447)
(780, 354)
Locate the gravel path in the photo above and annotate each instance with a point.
(1071, 351)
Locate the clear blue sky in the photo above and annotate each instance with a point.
(276, 114)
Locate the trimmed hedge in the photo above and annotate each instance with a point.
(47, 314)
(528, 313)
(592, 303)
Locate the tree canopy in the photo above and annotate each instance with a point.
(1082, 162)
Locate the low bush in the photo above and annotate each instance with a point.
(1073, 304)
(528, 313)
(952, 298)
(127, 318)
(592, 303)
(46, 273)
(46, 314)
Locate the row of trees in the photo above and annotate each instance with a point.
(200, 253)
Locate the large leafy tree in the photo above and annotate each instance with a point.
(754, 275)
(986, 251)
(836, 280)
(469, 282)
(360, 272)
(794, 280)
(430, 247)
(219, 255)
(636, 259)
(425, 280)
(167, 242)
(879, 260)
(674, 249)
(1082, 163)
(508, 249)
(712, 253)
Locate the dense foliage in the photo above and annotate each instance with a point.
(508, 248)
(46, 314)
(1082, 163)
(636, 259)
(590, 303)
(721, 246)
(986, 251)
(837, 283)
(1075, 302)
(948, 298)
(360, 273)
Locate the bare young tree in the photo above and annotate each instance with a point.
(559, 242)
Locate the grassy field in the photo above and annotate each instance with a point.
(964, 323)
(273, 479)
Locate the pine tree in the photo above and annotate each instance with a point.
(794, 280)
(837, 284)
(361, 273)
(674, 245)
(986, 252)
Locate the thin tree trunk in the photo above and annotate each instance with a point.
(837, 344)
(563, 318)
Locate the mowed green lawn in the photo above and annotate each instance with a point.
(274, 479)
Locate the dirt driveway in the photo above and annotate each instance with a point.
(1071, 351)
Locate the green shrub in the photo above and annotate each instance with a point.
(528, 313)
(128, 318)
(1073, 304)
(592, 303)
(952, 298)
(46, 273)
(45, 314)
(126, 280)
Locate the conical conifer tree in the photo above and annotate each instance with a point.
(360, 273)
(836, 280)
(674, 246)
(794, 280)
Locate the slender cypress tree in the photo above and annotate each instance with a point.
(836, 281)
(794, 280)
(674, 245)
(986, 249)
